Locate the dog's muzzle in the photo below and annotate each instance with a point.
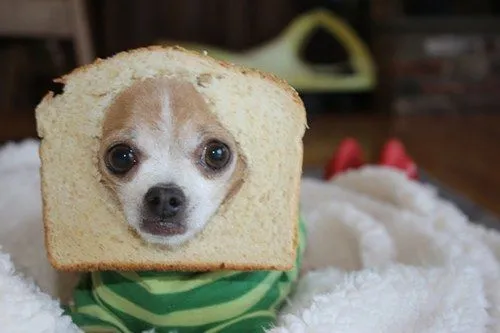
(164, 210)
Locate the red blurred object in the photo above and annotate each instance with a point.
(349, 155)
(394, 155)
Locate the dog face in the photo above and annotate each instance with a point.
(168, 159)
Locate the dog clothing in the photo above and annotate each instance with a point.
(182, 302)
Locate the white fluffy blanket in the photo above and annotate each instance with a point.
(385, 255)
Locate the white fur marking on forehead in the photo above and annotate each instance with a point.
(166, 115)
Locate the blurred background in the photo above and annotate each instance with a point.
(424, 71)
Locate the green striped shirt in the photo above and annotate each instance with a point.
(212, 302)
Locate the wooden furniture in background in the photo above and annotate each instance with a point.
(49, 19)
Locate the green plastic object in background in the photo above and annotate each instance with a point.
(281, 56)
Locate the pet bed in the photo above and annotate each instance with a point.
(386, 255)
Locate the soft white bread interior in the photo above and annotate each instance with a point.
(85, 228)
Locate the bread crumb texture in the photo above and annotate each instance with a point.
(84, 225)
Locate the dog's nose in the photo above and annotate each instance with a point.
(165, 201)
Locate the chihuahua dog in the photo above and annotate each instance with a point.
(172, 165)
(168, 159)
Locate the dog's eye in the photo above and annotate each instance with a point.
(216, 155)
(120, 159)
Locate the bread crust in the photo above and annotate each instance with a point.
(242, 69)
(117, 266)
(126, 266)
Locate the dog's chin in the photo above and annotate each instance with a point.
(163, 229)
(168, 235)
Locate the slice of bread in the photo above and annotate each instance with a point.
(85, 228)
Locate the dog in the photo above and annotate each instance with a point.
(172, 165)
(168, 160)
